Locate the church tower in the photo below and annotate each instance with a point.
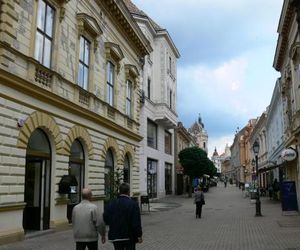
(199, 133)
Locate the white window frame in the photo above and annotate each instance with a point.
(129, 98)
(110, 83)
(84, 61)
(44, 33)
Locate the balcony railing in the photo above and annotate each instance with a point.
(55, 83)
(165, 116)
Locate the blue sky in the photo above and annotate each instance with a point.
(227, 49)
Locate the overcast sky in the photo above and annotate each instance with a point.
(225, 71)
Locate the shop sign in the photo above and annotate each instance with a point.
(289, 154)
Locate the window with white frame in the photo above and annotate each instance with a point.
(149, 88)
(168, 142)
(128, 98)
(171, 95)
(44, 33)
(151, 134)
(110, 83)
(84, 58)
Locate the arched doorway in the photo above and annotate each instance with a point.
(36, 215)
(126, 170)
(76, 170)
(109, 175)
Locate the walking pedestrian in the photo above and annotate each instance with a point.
(225, 182)
(87, 223)
(123, 217)
(199, 201)
(276, 189)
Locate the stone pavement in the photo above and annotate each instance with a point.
(227, 222)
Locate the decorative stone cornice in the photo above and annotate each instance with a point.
(114, 53)
(285, 24)
(62, 8)
(90, 25)
(121, 16)
(131, 71)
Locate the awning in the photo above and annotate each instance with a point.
(265, 169)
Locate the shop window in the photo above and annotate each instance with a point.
(152, 178)
(168, 178)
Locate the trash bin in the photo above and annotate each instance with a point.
(253, 194)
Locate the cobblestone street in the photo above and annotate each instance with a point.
(228, 222)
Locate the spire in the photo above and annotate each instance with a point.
(200, 120)
(215, 153)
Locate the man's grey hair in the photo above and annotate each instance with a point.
(86, 194)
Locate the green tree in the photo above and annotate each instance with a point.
(195, 163)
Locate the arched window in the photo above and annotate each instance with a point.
(109, 174)
(126, 170)
(76, 170)
(36, 215)
(38, 143)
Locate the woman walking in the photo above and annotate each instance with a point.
(199, 201)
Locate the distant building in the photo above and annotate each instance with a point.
(216, 159)
(199, 133)
(183, 140)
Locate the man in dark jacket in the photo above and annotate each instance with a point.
(123, 217)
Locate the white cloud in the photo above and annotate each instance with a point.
(219, 143)
(215, 88)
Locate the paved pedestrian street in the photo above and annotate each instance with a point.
(227, 222)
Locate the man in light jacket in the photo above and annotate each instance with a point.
(87, 223)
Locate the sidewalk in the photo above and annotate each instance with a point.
(228, 222)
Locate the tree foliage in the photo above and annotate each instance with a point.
(195, 162)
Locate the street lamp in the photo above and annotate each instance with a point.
(255, 149)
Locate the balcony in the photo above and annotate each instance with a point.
(164, 116)
(50, 86)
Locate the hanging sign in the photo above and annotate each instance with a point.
(289, 154)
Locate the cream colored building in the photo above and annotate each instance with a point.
(183, 140)
(259, 134)
(70, 76)
(287, 63)
(158, 111)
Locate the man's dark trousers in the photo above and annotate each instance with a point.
(124, 245)
(91, 245)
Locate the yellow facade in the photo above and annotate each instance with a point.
(67, 99)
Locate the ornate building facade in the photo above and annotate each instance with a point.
(286, 62)
(70, 76)
(158, 111)
(199, 133)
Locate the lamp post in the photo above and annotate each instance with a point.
(255, 149)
